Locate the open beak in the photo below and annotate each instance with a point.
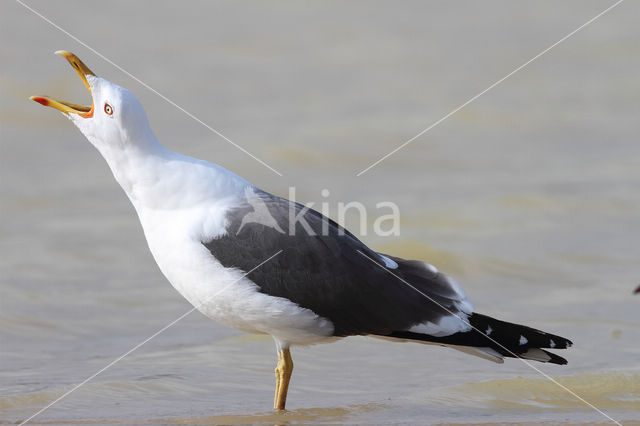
(68, 107)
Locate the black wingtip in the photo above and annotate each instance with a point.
(555, 359)
(557, 342)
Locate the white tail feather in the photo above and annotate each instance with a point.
(485, 353)
(536, 355)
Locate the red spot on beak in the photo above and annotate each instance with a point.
(41, 100)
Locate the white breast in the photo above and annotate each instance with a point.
(182, 202)
(224, 294)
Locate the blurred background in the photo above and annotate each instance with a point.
(528, 196)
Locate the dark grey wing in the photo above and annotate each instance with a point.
(326, 269)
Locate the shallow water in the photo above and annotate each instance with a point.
(529, 196)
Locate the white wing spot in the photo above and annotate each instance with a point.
(431, 268)
(489, 330)
(523, 340)
(552, 344)
(388, 262)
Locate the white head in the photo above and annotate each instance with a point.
(116, 121)
(117, 126)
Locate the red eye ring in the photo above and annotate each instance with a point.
(108, 109)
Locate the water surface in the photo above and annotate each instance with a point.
(529, 197)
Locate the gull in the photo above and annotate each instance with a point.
(267, 265)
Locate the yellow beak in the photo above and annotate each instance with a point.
(68, 107)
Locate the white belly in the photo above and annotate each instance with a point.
(224, 294)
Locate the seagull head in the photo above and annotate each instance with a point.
(115, 119)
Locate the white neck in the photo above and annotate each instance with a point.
(154, 177)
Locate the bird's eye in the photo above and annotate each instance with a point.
(108, 109)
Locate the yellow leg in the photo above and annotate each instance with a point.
(283, 375)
